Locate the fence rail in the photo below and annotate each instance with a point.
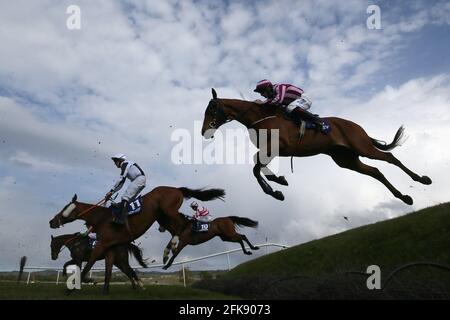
(182, 263)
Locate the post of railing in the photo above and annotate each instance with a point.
(28, 278)
(229, 263)
(184, 275)
(57, 278)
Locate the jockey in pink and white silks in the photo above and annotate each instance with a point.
(131, 171)
(291, 99)
(201, 213)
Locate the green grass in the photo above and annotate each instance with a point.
(88, 292)
(419, 236)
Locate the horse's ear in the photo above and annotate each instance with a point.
(214, 94)
(74, 198)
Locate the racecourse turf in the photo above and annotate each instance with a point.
(46, 291)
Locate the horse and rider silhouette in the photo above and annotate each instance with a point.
(80, 248)
(345, 143)
(162, 204)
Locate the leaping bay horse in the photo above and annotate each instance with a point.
(223, 227)
(346, 142)
(161, 201)
(80, 251)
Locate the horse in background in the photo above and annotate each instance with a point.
(81, 249)
(224, 227)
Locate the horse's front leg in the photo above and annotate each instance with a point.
(272, 176)
(109, 261)
(167, 251)
(263, 183)
(68, 263)
(95, 255)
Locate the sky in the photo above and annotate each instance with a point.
(136, 71)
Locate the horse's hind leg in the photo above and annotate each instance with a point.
(376, 154)
(239, 239)
(122, 266)
(348, 159)
(244, 237)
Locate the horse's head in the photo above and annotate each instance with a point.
(55, 247)
(67, 214)
(215, 116)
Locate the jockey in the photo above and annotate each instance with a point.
(201, 213)
(291, 99)
(91, 235)
(135, 174)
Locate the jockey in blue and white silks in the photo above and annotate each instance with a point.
(132, 172)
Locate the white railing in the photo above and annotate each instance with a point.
(182, 263)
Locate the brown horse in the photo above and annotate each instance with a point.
(161, 201)
(81, 249)
(346, 142)
(225, 228)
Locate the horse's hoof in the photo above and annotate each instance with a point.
(69, 291)
(408, 200)
(282, 180)
(248, 253)
(278, 195)
(255, 248)
(425, 180)
(165, 267)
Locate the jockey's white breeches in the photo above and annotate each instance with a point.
(135, 186)
(304, 102)
(204, 219)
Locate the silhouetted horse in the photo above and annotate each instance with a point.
(161, 201)
(80, 251)
(224, 227)
(346, 142)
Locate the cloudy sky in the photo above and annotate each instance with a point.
(138, 70)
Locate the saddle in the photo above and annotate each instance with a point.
(199, 226)
(306, 124)
(134, 207)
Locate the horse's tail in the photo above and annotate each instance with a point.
(246, 222)
(398, 140)
(137, 253)
(23, 260)
(203, 194)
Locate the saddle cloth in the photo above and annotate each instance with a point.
(134, 207)
(199, 226)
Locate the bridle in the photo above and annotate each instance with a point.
(220, 114)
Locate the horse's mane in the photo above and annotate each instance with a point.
(266, 110)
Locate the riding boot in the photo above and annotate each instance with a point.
(122, 213)
(308, 116)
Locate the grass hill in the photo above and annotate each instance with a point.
(419, 236)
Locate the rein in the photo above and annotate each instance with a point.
(239, 115)
(92, 207)
(261, 120)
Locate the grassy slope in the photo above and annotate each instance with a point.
(52, 291)
(422, 235)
